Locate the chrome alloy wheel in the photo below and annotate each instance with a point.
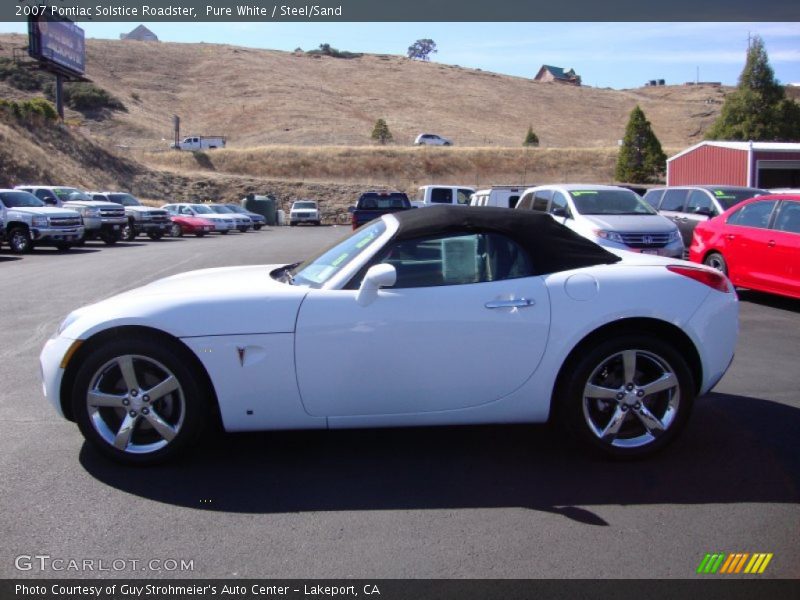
(135, 404)
(631, 398)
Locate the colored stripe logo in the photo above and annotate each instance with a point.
(735, 563)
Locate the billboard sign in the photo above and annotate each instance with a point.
(58, 43)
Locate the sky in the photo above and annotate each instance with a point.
(616, 55)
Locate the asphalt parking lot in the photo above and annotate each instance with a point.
(476, 502)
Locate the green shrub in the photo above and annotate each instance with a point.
(86, 97)
(20, 77)
(30, 110)
(328, 50)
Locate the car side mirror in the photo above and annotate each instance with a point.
(559, 212)
(51, 200)
(706, 212)
(377, 276)
(351, 209)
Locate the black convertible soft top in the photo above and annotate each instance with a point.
(550, 246)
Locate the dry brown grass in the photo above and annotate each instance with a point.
(404, 168)
(266, 97)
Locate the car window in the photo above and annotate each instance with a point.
(559, 205)
(512, 201)
(698, 199)
(674, 200)
(756, 214)
(728, 197)
(653, 197)
(526, 202)
(788, 218)
(541, 199)
(610, 202)
(441, 196)
(463, 196)
(20, 199)
(456, 259)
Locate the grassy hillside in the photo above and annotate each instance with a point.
(265, 97)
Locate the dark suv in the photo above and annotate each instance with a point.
(689, 205)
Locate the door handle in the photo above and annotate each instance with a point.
(515, 303)
(771, 243)
(730, 236)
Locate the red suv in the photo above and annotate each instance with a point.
(755, 243)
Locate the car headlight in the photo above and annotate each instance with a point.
(674, 236)
(39, 221)
(90, 212)
(611, 236)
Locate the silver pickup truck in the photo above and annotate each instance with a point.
(30, 223)
(155, 222)
(101, 220)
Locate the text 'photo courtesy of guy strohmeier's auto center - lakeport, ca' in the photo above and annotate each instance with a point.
(407, 301)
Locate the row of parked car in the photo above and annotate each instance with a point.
(747, 233)
(61, 216)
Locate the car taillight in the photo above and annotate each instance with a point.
(712, 279)
(353, 221)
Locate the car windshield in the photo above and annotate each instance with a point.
(124, 199)
(236, 209)
(20, 200)
(610, 202)
(65, 194)
(727, 197)
(317, 271)
(311, 205)
(223, 210)
(201, 209)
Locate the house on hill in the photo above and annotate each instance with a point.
(140, 34)
(557, 74)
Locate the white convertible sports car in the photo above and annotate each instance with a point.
(449, 315)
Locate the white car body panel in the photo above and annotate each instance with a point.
(422, 342)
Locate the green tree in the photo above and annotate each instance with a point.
(531, 139)
(641, 159)
(422, 49)
(381, 132)
(758, 109)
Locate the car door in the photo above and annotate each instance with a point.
(787, 248)
(699, 208)
(750, 244)
(672, 207)
(465, 324)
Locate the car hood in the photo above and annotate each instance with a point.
(632, 223)
(145, 209)
(221, 301)
(47, 211)
(93, 204)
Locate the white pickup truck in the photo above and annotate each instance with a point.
(431, 195)
(200, 142)
(30, 223)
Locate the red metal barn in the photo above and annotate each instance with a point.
(770, 165)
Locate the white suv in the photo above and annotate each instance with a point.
(431, 139)
(608, 215)
(304, 211)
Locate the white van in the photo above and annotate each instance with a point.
(505, 196)
(431, 195)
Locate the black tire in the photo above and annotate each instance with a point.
(129, 427)
(155, 235)
(317, 223)
(128, 233)
(242, 229)
(200, 233)
(176, 230)
(715, 260)
(19, 240)
(291, 224)
(224, 232)
(63, 247)
(256, 227)
(109, 239)
(636, 422)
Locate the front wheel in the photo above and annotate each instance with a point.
(128, 232)
(715, 260)
(109, 239)
(176, 230)
(19, 240)
(63, 247)
(626, 397)
(154, 235)
(256, 227)
(224, 232)
(138, 401)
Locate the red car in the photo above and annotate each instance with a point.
(756, 243)
(183, 224)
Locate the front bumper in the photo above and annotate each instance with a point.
(57, 234)
(151, 226)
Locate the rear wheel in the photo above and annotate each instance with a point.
(138, 401)
(176, 230)
(200, 233)
(715, 260)
(19, 240)
(627, 397)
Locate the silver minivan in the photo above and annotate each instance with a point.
(611, 216)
